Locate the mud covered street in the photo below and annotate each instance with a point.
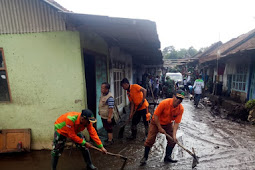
(219, 144)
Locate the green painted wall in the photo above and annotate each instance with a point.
(46, 78)
(101, 76)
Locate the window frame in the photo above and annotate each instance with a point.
(7, 77)
(117, 82)
(238, 78)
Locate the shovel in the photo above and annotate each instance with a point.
(122, 128)
(113, 154)
(195, 158)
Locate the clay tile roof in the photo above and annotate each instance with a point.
(241, 43)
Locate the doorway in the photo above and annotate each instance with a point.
(89, 63)
(95, 74)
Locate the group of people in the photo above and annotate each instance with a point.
(158, 85)
(165, 120)
(152, 84)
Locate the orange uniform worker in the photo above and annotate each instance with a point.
(166, 119)
(139, 106)
(70, 125)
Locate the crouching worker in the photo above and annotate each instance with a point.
(166, 119)
(70, 125)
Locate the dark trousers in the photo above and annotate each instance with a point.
(186, 88)
(197, 99)
(58, 148)
(137, 117)
(59, 144)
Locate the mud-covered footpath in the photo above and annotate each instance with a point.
(219, 144)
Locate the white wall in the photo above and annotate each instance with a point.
(230, 68)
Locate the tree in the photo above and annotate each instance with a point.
(170, 52)
(182, 53)
(192, 51)
(203, 49)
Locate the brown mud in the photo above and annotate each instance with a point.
(219, 144)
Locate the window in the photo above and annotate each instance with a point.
(4, 88)
(118, 75)
(239, 79)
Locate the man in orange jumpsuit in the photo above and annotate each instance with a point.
(70, 125)
(139, 105)
(166, 119)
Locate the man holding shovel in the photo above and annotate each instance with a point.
(70, 125)
(139, 106)
(165, 120)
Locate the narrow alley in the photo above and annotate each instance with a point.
(219, 144)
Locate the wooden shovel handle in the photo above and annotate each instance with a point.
(170, 137)
(109, 153)
(152, 94)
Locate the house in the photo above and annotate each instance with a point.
(53, 61)
(231, 67)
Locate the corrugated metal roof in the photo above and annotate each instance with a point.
(27, 16)
(56, 5)
(241, 43)
(136, 36)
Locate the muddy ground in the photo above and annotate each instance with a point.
(219, 143)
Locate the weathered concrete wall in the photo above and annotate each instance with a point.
(101, 76)
(119, 60)
(252, 85)
(237, 94)
(46, 79)
(92, 42)
(230, 69)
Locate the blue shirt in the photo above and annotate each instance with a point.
(110, 102)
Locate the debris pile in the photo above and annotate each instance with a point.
(251, 117)
(230, 110)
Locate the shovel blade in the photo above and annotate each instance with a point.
(195, 161)
(123, 165)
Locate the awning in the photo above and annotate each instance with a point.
(135, 36)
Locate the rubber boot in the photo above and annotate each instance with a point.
(146, 133)
(54, 162)
(87, 159)
(168, 158)
(133, 135)
(145, 157)
(146, 130)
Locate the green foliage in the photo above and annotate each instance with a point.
(250, 104)
(169, 87)
(192, 51)
(203, 49)
(171, 53)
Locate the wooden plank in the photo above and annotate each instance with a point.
(1, 141)
(12, 139)
(9, 139)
